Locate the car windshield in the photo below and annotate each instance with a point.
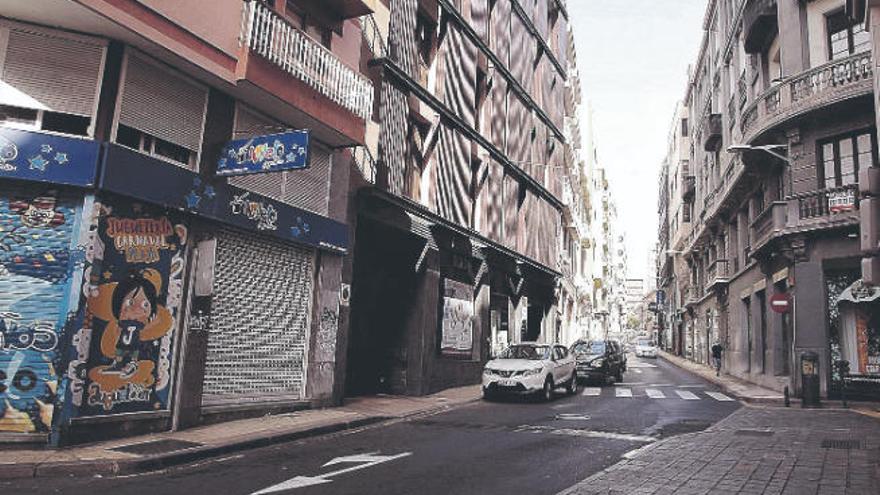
(533, 352)
(644, 343)
(593, 348)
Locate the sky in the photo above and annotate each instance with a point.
(633, 57)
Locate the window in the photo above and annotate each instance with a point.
(32, 119)
(684, 127)
(844, 37)
(307, 23)
(841, 157)
(686, 213)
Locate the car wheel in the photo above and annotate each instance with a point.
(487, 395)
(573, 384)
(547, 391)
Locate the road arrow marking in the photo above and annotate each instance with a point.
(363, 461)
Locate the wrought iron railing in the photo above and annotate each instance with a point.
(270, 36)
(827, 201)
(373, 36)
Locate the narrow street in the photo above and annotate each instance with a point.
(511, 446)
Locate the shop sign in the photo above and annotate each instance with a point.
(36, 156)
(841, 201)
(262, 154)
(151, 180)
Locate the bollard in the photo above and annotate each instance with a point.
(787, 397)
(843, 369)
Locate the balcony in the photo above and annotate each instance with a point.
(717, 275)
(759, 21)
(284, 62)
(816, 210)
(713, 133)
(812, 90)
(688, 187)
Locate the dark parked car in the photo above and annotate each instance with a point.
(599, 360)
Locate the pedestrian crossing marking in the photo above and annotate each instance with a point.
(623, 392)
(719, 396)
(654, 393)
(637, 370)
(592, 391)
(684, 394)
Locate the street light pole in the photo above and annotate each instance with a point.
(770, 149)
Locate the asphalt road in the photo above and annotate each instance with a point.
(515, 446)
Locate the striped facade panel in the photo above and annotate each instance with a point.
(542, 18)
(522, 53)
(499, 35)
(528, 230)
(454, 177)
(539, 151)
(480, 18)
(402, 35)
(460, 75)
(537, 92)
(498, 107)
(392, 138)
(495, 206)
(528, 6)
(519, 130)
(551, 85)
(558, 116)
(562, 41)
(510, 211)
(555, 150)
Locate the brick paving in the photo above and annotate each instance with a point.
(756, 450)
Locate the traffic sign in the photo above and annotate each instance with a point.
(781, 303)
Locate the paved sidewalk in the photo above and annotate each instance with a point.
(223, 438)
(755, 450)
(742, 390)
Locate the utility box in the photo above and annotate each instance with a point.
(809, 379)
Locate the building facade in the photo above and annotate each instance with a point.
(779, 125)
(457, 244)
(141, 290)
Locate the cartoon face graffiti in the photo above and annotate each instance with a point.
(135, 319)
(40, 212)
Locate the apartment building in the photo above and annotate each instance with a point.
(140, 288)
(457, 243)
(780, 126)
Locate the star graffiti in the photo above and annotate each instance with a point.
(38, 163)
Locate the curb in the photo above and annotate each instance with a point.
(110, 467)
(711, 378)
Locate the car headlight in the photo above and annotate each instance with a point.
(489, 372)
(532, 372)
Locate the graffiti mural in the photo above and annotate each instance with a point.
(132, 294)
(457, 326)
(36, 227)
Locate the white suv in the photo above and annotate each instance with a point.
(644, 348)
(530, 368)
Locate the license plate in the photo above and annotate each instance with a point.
(507, 383)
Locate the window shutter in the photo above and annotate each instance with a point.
(309, 188)
(161, 103)
(49, 71)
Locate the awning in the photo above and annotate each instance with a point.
(859, 293)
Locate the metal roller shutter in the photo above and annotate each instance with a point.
(46, 71)
(260, 320)
(153, 97)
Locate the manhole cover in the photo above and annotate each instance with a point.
(157, 447)
(841, 444)
(753, 433)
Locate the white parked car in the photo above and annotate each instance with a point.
(530, 368)
(645, 348)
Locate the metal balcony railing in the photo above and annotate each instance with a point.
(827, 201)
(270, 36)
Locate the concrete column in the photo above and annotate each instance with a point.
(482, 321)
(793, 42)
(810, 320)
(324, 331)
(421, 332)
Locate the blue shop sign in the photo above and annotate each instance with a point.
(271, 153)
(37, 156)
(139, 176)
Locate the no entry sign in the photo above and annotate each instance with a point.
(781, 303)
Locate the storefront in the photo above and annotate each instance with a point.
(859, 339)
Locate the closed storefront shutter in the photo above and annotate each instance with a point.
(47, 70)
(260, 319)
(161, 103)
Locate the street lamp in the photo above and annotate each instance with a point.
(768, 148)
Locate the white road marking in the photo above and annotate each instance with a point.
(586, 433)
(592, 391)
(684, 394)
(637, 370)
(654, 393)
(623, 392)
(719, 396)
(572, 417)
(363, 460)
(640, 364)
(628, 384)
(691, 385)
